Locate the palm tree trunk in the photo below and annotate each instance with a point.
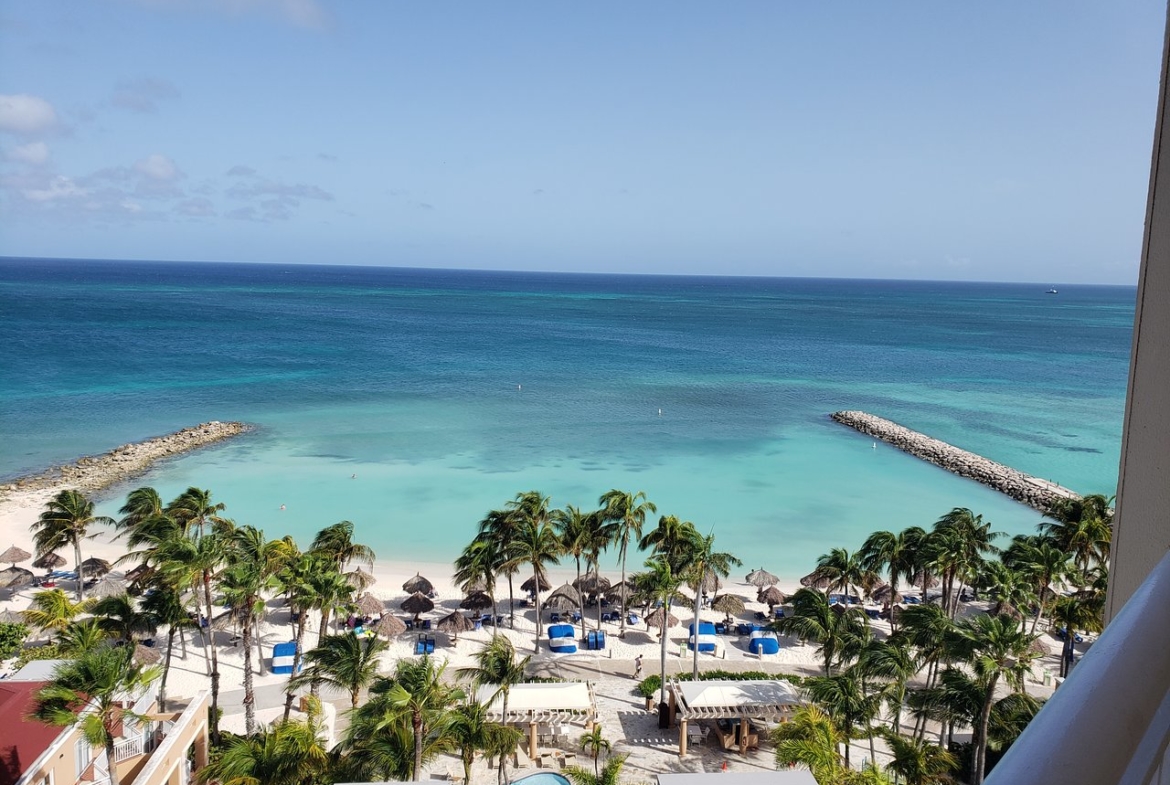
(80, 573)
(315, 689)
(503, 757)
(536, 597)
(580, 597)
(698, 604)
(979, 746)
(214, 660)
(416, 721)
(259, 638)
(249, 687)
(1039, 608)
(662, 655)
(162, 684)
(114, 778)
(288, 695)
(511, 603)
(495, 613)
(622, 628)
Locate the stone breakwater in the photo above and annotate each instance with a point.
(94, 473)
(1032, 491)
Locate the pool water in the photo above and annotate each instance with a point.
(543, 778)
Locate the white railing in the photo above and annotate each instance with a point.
(129, 748)
(1110, 720)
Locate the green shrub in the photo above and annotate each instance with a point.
(12, 635)
(50, 651)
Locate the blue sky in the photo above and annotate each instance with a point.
(981, 141)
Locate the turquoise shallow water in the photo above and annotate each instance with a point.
(409, 379)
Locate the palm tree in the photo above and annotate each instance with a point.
(703, 562)
(81, 636)
(97, 679)
(193, 510)
(1082, 527)
(843, 570)
(52, 610)
(120, 617)
(1011, 590)
(847, 703)
(813, 619)
(994, 648)
(899, 554)
(337, 543)
(165, 604)
(330, 592)
(600, 535)
(812, 740)
(891, 662)
(573, 528)
(471, 731)
(497, 666)
(660, 582)
(344, 661)
(953, 702)
(500, 527)
(917, 763)
(609, 775)
(628, 511)
(1074, 613)
(962, 541)
(294, 581)
(594, 743)
(536, 543)
(290, 753)
(418, 694)
(66, 520)
(479, 563)
(673, 539)
(1043, 563)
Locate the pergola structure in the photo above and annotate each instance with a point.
(550, 703)
(772, 700)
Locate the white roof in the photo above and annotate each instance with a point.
(541, 700)
(37, 670)
(795, 777)
(735, 698)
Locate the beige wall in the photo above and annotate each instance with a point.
(1142, 524)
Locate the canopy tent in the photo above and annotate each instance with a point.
(772, 700)
(559, 702)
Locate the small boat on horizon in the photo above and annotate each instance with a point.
(1052, 291)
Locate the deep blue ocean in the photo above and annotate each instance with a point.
(447, 392)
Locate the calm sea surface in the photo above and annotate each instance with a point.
(447, 392)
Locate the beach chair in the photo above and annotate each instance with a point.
(426, 624)
(555, 617)
(430, 645)
(420, 645)
(633, 619)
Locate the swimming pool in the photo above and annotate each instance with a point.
(543, 778)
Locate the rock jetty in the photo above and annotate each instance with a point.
(1032, 491)
(94, 473)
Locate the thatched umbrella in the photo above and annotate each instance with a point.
(360, 579)
(886, 595)
(418, 585)
(559, 602)
(15, 577)
(476, 601)
(369, 605)
(390, 625)
(924, 581)
(10, 617)
(571, 595)
(710, 583)
(771, 596)
(728, 604)
(815, 580)
(138, 572)
(454, 624)
(14, 554)
(1038, 648)
(50, 561)
(1001, 608)
(615, 592)
(475, 585)
(761, 578)
(655, 619)
(418, 604)
(591, 583)
(528, 585)
(95, 567)
(146, 655)
(107, 587)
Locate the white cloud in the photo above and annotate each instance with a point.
(26, 114)
(158, 167)
(58, 188)
(35, 153)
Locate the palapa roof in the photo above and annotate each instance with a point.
(531, 582)
(885, 593)
(418, 584)
(655, 619)
(15, 554)
(761, 578)
(12, 577)
(146, 655)
(49, 561)
(455, 623)
(476, 601)
(369, 605)
(729, 604)
(417, 603)
(814, 580)
(765, 699)
(107, 587)
(614, 594)
(390, 626)
(591, 583)
(360, 579)
(93, 567)
(559, 602)
(771, 596)
(540, 702)
(566, 591)
(710, 583)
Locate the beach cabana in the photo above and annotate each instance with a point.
(417, 604)
(728, 604)
(283, 656)
(771, 597)
(733, 704)
(530, 584)
(453, 624)
(707, 640)
(418, 584)
(763, 642)
(761, 578)
(562, 638)
(390, 625)
(552, 704)
(476, 601)
(15, 554)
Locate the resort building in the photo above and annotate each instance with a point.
(166, 750)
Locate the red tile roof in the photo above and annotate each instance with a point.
(22, 740)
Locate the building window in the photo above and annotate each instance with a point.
(81, 754)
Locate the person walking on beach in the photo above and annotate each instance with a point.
(638, 667)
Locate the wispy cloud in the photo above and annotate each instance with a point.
(33, 154)
(143, 95)
(26, 114)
